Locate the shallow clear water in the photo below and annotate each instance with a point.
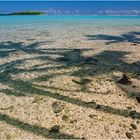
(24, 27)
(11, 21)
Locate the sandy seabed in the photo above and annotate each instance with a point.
(61, 83)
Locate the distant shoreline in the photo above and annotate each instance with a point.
(24, 13)
(41, 13)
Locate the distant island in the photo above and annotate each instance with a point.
(24, 13)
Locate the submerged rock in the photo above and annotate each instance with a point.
(55, 129)
(129, 135)
(91, 103)
(138, 98)
(81, 81)
(125, 80)
(98, 106)
(129, 107)
(92, 115)
(73, 121)
(57, 107)
(134, 44)
(133, 126)
(65, 117)
(10, 108)
(132, 114)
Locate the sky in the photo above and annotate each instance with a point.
(75, 7)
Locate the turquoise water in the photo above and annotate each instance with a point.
(6, 21)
